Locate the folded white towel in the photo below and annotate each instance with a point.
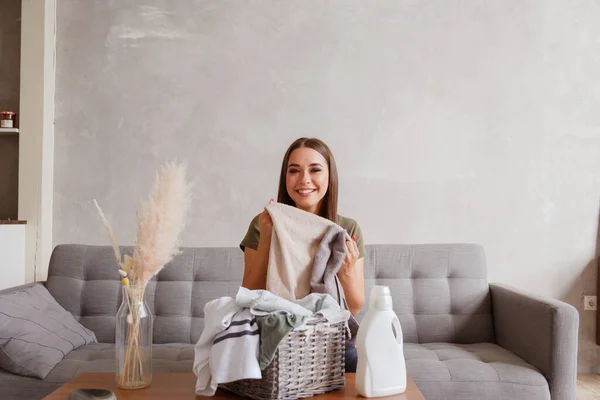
(228, 346)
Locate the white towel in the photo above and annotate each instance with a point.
(296, 239)
(228, 346)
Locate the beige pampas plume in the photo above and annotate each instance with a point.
(160, 221)
(159, 224)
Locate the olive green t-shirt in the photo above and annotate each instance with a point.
(351, 226)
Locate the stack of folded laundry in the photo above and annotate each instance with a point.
(241, 335)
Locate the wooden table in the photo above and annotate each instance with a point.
(182, 385)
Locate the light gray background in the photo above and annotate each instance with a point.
(451, 121)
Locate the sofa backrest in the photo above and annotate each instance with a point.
(440, 292)
(85, 281)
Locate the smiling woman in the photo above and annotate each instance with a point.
(308, 181)
(309, 178)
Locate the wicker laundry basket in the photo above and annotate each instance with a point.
(302, 367)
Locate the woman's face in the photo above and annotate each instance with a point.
(307, 179)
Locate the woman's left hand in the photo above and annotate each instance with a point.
(352, 254)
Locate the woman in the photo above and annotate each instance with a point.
(308, 181)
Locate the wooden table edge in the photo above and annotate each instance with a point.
(181, 385)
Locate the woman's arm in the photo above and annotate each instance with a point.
(257, 261)
(352, 278)
(255, 265)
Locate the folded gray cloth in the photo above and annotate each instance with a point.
(263, 302)
(327, 263)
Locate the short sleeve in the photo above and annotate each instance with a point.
(360, 243)
(352, 227)
(252, 236)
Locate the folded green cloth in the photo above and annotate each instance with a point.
(273, 327)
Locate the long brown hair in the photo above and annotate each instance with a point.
(329, 205)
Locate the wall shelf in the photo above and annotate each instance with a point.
(9, 131)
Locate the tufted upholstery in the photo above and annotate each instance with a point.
(84, 280)
(472, 372)
(440, 292)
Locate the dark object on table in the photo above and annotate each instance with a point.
(92, 394)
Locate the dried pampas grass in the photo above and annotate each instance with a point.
(161, 221)
(159, 225)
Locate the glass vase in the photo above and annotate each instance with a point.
(133, 339)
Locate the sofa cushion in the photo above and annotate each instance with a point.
(98, 357)
(472, 371)
(24, 387)
(36, 333)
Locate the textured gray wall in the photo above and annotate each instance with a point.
(10, 53)
(451, 121)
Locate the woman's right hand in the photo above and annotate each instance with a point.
(265, 223)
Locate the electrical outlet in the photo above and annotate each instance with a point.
(590, 303)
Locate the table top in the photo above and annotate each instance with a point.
(182, 386)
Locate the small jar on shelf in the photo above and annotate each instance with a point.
(7, 119)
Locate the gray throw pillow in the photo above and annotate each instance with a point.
(36, 333)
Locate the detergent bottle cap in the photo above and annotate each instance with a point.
(380, 298)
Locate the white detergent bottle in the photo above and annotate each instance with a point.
(381, 370)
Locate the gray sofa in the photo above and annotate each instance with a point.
(464, 339)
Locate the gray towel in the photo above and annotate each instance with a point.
(327, 263)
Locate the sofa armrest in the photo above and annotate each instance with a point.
(19, 288)
(542, 331)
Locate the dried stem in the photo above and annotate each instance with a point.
(133, 373)
(111, 234)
